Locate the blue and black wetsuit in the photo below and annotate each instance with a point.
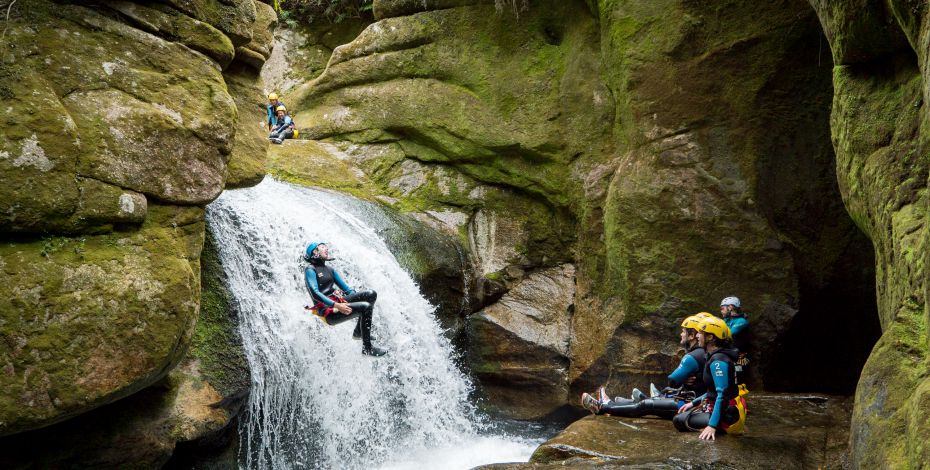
(283, 129)
(322, 282)
(719, 410)
(272, 117)
(665, 406)
(691, 366)
(739, 328)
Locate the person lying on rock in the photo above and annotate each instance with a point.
(738, 323)
(284, 127)
(272, 109)
(684, 384)
(336, 302)
(723, 407)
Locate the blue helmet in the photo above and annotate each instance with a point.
(312, 247)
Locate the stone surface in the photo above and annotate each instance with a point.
(90, 320)
(117, 127)
(676, 153)
(519, 346)
(185, 416)
(783, 431)
(880, 132)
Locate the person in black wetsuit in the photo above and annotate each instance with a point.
(684, 383)
(336, 302)
(723, 406)
(738, 322)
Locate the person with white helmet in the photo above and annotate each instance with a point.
(723, 407)
(737, 321)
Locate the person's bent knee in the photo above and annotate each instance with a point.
(681, 421)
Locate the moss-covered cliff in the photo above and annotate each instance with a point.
(676, 152)
(121, 121)
(880, 132)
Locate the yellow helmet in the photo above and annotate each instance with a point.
(715, 326)
(280, 108)
(691, 322)
(272, 96)
(703, 314)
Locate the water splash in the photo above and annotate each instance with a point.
(316, 402)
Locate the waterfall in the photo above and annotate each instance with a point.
(316, 401)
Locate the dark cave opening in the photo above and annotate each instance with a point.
(827, 342)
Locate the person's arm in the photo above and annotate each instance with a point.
(738, 325)
(686, 367)
(721, 373)
(314, 287)
(270, 117)
(342, 284)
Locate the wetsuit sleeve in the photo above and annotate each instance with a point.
(342, 284)
(738, 325)
(314, 287)
(270, 115)
(686, 367)
(697, 401)
(721, 373)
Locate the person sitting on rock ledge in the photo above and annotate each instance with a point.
(284, 127)
(335, 301)
(738, 323)
(724, 404)
(272, 109)
(684, 383)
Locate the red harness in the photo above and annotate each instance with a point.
(319, 310)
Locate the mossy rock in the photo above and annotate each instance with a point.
(89, 320)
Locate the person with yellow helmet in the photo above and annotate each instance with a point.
(684, 384)
(692, 363)
(284, 127)
(723, 407)
(272, 107)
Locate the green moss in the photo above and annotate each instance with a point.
(216, 343)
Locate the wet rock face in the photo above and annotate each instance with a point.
(676, 153)
(783, 431)
(519, 346)
(880, 132)
(118, 126)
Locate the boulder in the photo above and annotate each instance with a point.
(519, 346)
(90, 320)
(783, 431)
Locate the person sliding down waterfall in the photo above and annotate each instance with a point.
(336, 302)
(724, 404)
(684, 383)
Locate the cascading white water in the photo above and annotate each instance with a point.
(316, 401)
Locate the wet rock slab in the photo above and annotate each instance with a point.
(783, 431)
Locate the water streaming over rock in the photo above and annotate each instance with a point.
(316, 402)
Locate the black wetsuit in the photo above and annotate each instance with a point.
(718, 409)
(738, 323)
(322, 281)
(667, 405)
(691, 367)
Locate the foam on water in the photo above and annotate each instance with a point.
(316, 402)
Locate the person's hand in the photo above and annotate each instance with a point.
(686, 407)
(708, 433)
(344, 309)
